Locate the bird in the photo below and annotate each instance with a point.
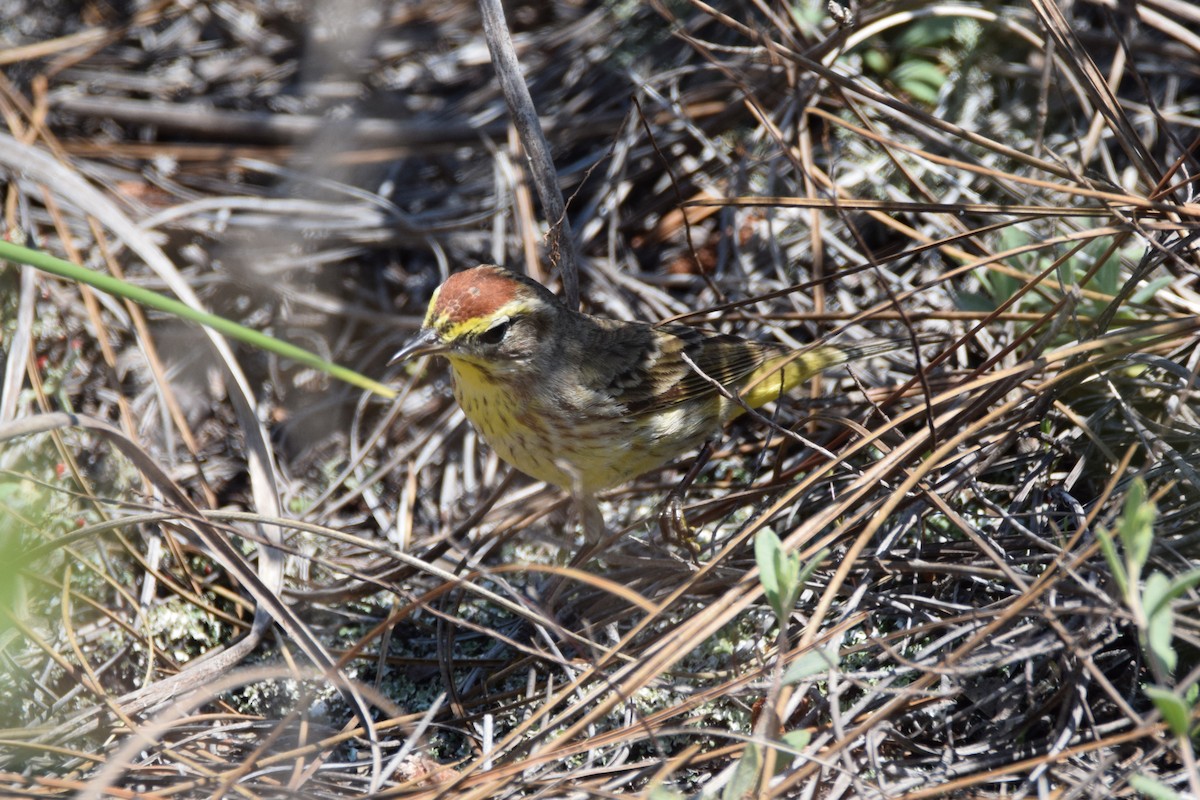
(587, 403)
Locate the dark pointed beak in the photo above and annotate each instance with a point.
(425, 343)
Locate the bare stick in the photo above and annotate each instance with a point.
(537, 151)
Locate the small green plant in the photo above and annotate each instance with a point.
(783, 578)
(1150, 602)
(1096, 267)
(917, 58)
(780, 573)
(1152, 788)
(748, 771)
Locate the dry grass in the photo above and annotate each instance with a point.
(209, 522)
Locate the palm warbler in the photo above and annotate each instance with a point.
(586, 403)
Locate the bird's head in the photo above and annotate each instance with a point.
(487, 316)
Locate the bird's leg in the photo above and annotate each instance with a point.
(592, 519)
(594, 533)
(671, 519)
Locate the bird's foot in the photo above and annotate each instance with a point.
(673, 524)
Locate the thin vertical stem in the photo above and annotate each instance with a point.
(537, 151)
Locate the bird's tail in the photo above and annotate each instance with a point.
(782, 374)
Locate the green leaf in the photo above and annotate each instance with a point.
(1000, 286)
(119, 288)
(925, 32)
(789, 579)
(876, 61)
(660, 792)
(779, 573)
(795, 741)
(1114, 562)
(1179, 585)
(767, 552)
(974, 301)
(1136, 529)
(1175, 712)
(918, 71)
(1012, 238)
(798, 739)
(812, 662)
(1152, 788)
(1147, 292)
(1109, 274)
(803, 575)
(921, 92)
(1160, 623)
(744, 781)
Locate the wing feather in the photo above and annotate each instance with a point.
(719, 357)
(633, 368)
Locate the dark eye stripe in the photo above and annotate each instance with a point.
(496, 333)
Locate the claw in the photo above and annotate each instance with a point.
(671, 520)
(673, 524)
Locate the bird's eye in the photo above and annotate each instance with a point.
(496, 333)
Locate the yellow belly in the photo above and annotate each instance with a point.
(583, 454)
